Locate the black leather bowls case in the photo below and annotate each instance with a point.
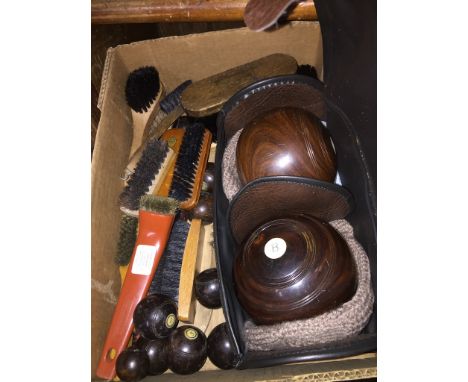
(349, 41)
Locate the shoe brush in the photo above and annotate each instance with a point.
(181, 258)
(178, 263)
(207, 96)
(184, 179)
(201, 215)
(155, 220)
(149, 173)
(143, 91)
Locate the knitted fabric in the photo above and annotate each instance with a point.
(231, 181)
(345, 321)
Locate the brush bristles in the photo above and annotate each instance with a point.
(187, 162)
(141, 88)
(172, 100)
(160, 204)
(307, 70)
(166, 278)
(142, 178)
(127, 238)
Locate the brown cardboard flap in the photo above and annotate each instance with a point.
(111, 150)
(105, 72)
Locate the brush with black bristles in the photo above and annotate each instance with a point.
(143, 90)
(150, 172)
(187, 177)
(307, 70)
(169, 110)
(155, 219)
(165, 280)
(172, 100)
(176, 271)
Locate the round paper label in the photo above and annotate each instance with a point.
(275, 248)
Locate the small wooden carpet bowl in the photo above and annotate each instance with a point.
(157, 353)
(207, 289)
(188, 350)
(155, 316)
(132, 365)
(220, 348)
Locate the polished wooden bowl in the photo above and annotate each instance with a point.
(285, 141)
(293, 268)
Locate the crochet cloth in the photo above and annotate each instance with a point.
(231, 181)
(338, 324)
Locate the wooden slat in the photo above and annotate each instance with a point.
(148, 11)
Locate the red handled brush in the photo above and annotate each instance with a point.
(156, 217)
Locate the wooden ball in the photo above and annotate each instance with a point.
(187, 347)
(157, 352)
(207, 289)
(220, 348)
(285, 141)
(155, 316)
(204, 208)
(208, 177)
(132, 365)
(293, 268)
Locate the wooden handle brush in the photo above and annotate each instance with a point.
(207, 96)
(156, 217)
(187, 177)
(143, 92)
(151, 170)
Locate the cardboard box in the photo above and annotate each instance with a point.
(177, 59)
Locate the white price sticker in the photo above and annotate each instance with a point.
(144, 259)
(275, 248)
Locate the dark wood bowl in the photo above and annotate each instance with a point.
(285, 141)
(293, 268)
